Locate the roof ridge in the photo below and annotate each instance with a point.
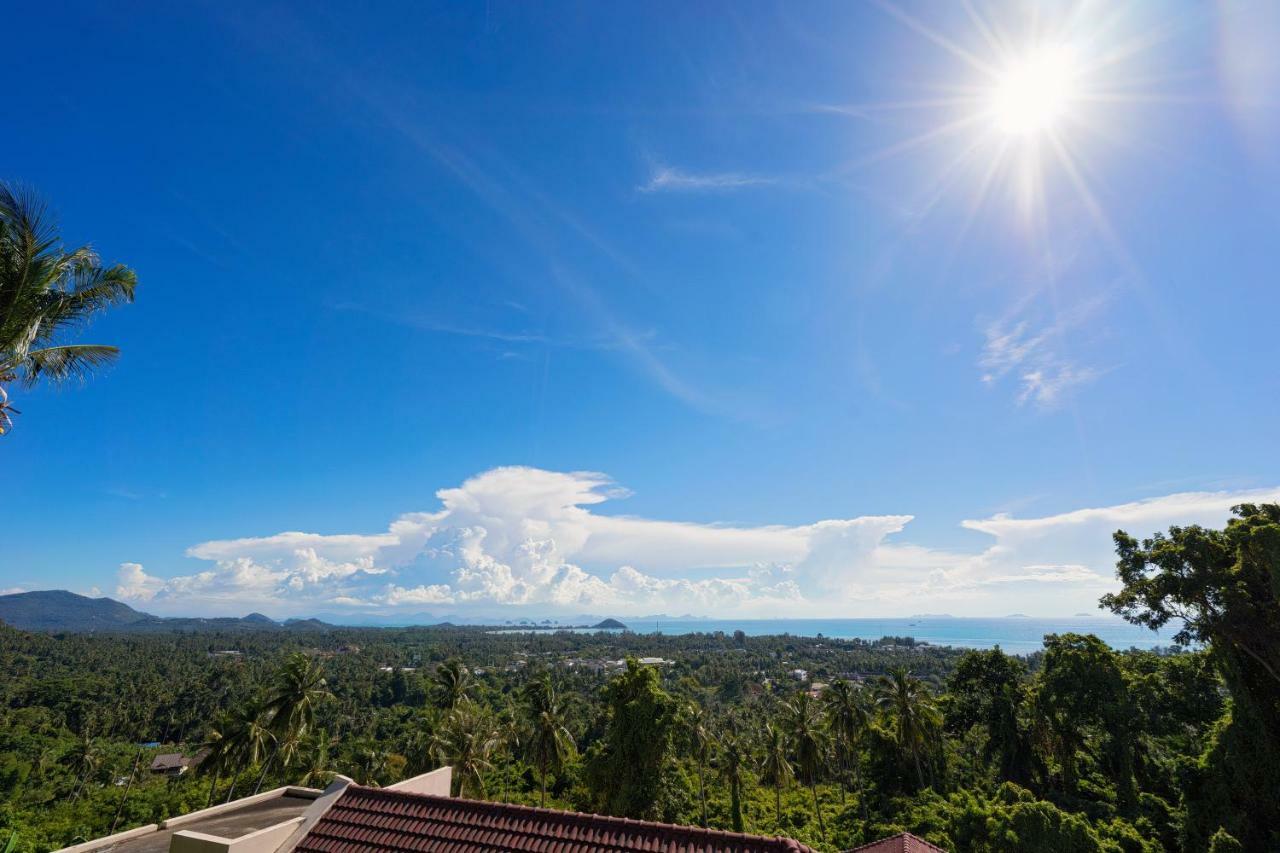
(871, 845)
(567, 815)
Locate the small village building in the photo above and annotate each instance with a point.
(174, 763)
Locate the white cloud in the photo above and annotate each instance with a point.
(134, 583)
(533, 539)
(1035, 355)
(668, 179)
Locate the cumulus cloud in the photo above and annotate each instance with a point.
(536, 540)
(134, 583)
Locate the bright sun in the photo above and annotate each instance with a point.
(1034, 92)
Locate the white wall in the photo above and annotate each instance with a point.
(436, 782)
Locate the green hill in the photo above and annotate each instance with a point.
(57, 610)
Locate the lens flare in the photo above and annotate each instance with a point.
(1033, 94)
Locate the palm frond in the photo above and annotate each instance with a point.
(61, 364)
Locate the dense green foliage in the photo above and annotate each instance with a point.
(1076, 748)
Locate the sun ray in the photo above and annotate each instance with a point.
(950, 128)
(938, 39)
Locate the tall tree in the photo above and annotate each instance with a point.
(733, 758)
(906, 701)
(848, 717)
(451, 684)
(985, 690)
(297, 690)
(1221, 588)
(548, 745)
(808, 744)
(467, 739)
(1081, 693)
(46, 291)
(775, 767)
(626, 769)
(698, 738)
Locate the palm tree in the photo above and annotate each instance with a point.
(85, 759)
(46, 291)
(370, 762)
(299, 689)
(699, 734)
(510, 738)
(808, 744)
(217, 748)
(250, 740)
(548, 745)
(907, 701)
(315, 767)
(466, 741)
(733, 761)
(452, 684)
(776, 767)
(291, 703)
(848, 718)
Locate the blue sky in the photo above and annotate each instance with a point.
(757, 266)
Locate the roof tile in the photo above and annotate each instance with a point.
(364, 820)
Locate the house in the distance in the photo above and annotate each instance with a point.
(418, 814)
(175, 763)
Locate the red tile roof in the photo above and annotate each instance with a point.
(902, 843)
(368, 819)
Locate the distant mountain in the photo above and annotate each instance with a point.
(610, 625)
(57, 610)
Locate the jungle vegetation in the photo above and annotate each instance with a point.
(1078, 747)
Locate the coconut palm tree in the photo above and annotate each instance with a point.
(907, 701)
(775, 767)
(698, 732)
(733, 758)
(250, 740)
(803, 721)
(290, 706)
(217, 748)
(316, 770)
(370, 762)
(297, 692)
(467, 739)
(46, 291)
(848, 718)
(85, 760)
(452, 684)
(548, 745)
(510, 737)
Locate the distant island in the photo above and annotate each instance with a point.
(610, 625)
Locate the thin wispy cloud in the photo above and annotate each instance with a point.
(427, 324)
(1035, 354)
(670, 179)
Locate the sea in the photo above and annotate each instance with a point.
(1014, 634)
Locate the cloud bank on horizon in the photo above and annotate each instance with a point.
(526, 541)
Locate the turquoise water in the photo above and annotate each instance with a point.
(1015, 635)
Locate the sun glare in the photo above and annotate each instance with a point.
(1033, 94)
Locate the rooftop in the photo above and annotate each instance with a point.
(373, 819)
(239, 818)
